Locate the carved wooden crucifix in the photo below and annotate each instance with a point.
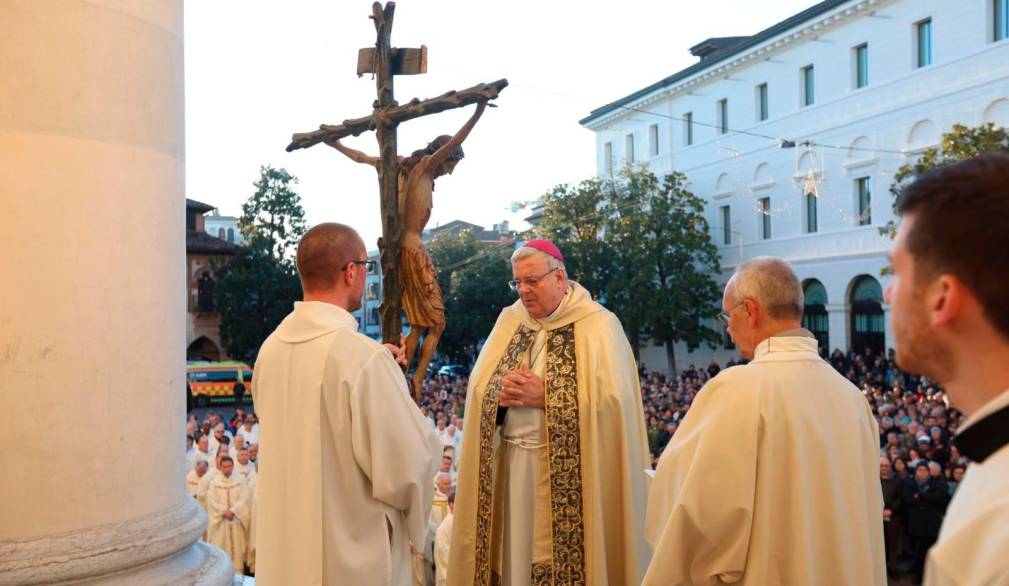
(385, 62)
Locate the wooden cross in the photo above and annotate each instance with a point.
(385, 62)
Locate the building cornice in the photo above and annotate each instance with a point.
(760, 47)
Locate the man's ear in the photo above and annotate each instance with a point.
(752, 311)
(944, 299)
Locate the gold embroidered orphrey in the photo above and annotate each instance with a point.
(567, 566)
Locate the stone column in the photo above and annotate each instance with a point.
(888, 332)
(92, 298)
(837, 320)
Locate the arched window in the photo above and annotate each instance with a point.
(205, 294)
(220, 233)
(867, 322)
(231, 235)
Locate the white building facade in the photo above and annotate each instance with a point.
(870, 83)
(223, 227)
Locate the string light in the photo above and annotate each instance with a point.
(812, 183)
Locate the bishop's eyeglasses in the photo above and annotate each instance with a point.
(529, 281)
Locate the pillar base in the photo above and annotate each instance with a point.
(161, 548)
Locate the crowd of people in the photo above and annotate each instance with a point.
(778, 456)
(221, 464)
(919, 469)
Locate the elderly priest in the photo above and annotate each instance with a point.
(551, 485)
(773, 478)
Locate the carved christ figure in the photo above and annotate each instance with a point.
(422, 301)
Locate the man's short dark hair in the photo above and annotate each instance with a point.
(961, 227)
(227, 459)
(323, 251)
(225, 440)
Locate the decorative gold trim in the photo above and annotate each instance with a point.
(565, 459)
(488, 426)
(542, 574)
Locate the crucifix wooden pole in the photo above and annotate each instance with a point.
(388, 176)
(385, 62)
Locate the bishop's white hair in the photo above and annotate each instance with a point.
(772, 283)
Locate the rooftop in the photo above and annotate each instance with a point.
(715, 50)
(198, 242)
(197, 206)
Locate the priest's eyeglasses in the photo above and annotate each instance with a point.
(724, 316)
(529, 281)
(369, 265)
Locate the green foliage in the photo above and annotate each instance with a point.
(257, 288)
(663, 282)
(474, 281)
(254, 293)
(574, 217)
(640, 244)
(963, 142)
(273, 218)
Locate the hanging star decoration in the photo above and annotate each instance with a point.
(811, 184)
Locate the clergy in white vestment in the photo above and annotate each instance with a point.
(228, 514)
(423, 556)
(212, 472)
(236, 444)
(443, 543)
(220, 432)
(347, 458)
(773, 475)
(451, 439)
(948, 297)
(251, 498)
(190, 451)
(551, 484)
(249, 430)
(243, 466)
(201, 452)
(194, 477)
(446, 467)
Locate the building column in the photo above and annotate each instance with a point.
(92, 318)
(887, 328)
(838, 316)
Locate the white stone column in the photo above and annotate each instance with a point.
(888, 329)
(92, 298)
(837, 320)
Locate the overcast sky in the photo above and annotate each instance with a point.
(259, 70)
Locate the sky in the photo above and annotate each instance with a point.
(259, 70)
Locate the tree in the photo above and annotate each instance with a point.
(474, 281)
(630, 286)
(641, 246)
(662, 282)
(574, 217)
(273, 217)
(961, 143)
(254, 293)
(257, 288)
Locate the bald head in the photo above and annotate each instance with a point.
(770, 282)
(323, 252)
